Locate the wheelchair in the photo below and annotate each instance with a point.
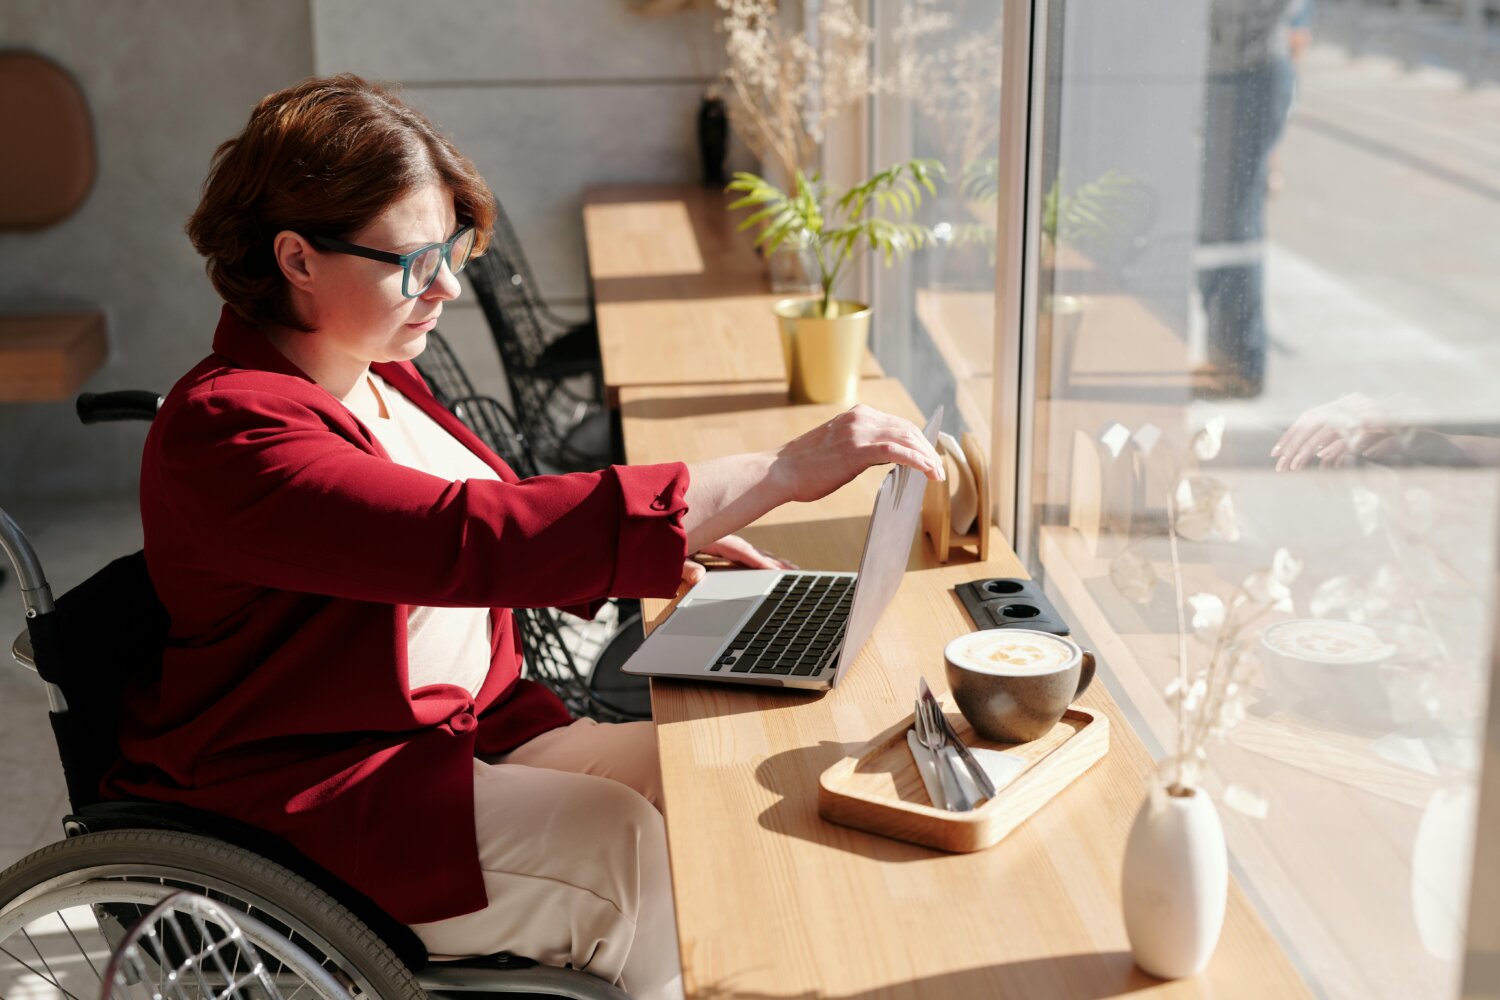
(187, 945)
(65, 908)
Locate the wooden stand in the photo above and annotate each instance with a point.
(937, 507)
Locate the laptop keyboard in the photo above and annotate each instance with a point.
(797, 630)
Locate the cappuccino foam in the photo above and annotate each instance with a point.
(1003, 651)
(1327, 641)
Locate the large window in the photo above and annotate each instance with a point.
(1244, 225)
(940, 66)
(1267, 226)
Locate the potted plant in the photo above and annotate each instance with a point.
(824, 338)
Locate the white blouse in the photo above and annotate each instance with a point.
(443, 645)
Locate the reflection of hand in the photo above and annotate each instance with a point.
(828, 456)
(734, 549)
(1336, 434)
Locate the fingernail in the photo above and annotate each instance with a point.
(1276, 451)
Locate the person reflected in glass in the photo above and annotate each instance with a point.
(338, 555)
(1299, 37)
(1247, 92)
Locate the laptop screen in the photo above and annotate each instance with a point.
(893, 524)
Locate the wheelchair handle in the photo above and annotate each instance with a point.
(125, 404)
(35, 592)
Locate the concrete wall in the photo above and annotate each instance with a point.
(547, 98)
(167, 81)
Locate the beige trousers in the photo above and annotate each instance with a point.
(574, 856)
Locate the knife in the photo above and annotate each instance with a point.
(975, 770)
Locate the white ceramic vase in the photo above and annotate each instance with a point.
(1442, 856)
(1175, 883)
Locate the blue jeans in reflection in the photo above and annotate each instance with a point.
(1243, 116)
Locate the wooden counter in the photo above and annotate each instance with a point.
(772, 901)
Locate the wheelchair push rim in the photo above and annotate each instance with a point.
(70, 910)
(66, 913)
(355, 961)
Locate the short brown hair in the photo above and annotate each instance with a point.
(322, 158)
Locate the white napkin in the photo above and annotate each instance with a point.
(963, 492)
(1002, 766)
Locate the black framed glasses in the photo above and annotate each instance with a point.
(419, 269)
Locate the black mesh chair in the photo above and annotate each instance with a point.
(573, 347)
(484, 415)
(545, 364)
(604, 693)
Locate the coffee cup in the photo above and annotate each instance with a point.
(1329, 669)
(1013, 684)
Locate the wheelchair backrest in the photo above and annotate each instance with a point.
(102, 635)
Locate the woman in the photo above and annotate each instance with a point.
(337, 554)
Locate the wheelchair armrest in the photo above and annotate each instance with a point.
(137, 815)
(21, 650)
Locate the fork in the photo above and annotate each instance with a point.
(931, 736)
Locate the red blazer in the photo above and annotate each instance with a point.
(286, 546)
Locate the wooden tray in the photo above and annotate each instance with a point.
(879, 789)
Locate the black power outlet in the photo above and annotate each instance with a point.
(1008, 602)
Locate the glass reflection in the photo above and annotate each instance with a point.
(1247, 91)
(1300, 255)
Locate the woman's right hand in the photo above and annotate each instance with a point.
(725, 494)
(815, 464)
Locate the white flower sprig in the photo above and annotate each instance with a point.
(1210, 700)
(787, 86)
(951, 73)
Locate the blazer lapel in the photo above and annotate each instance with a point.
(248, 348)
(407, 381)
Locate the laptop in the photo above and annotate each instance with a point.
(793, 629)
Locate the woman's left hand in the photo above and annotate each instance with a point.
(736, 550)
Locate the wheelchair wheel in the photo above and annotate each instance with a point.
(64, 908)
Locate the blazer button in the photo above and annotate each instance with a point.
(462, 722)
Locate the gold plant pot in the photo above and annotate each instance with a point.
(1057, 324)
(823, 353)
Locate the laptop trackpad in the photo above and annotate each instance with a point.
(719, 619)
(686, 643)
